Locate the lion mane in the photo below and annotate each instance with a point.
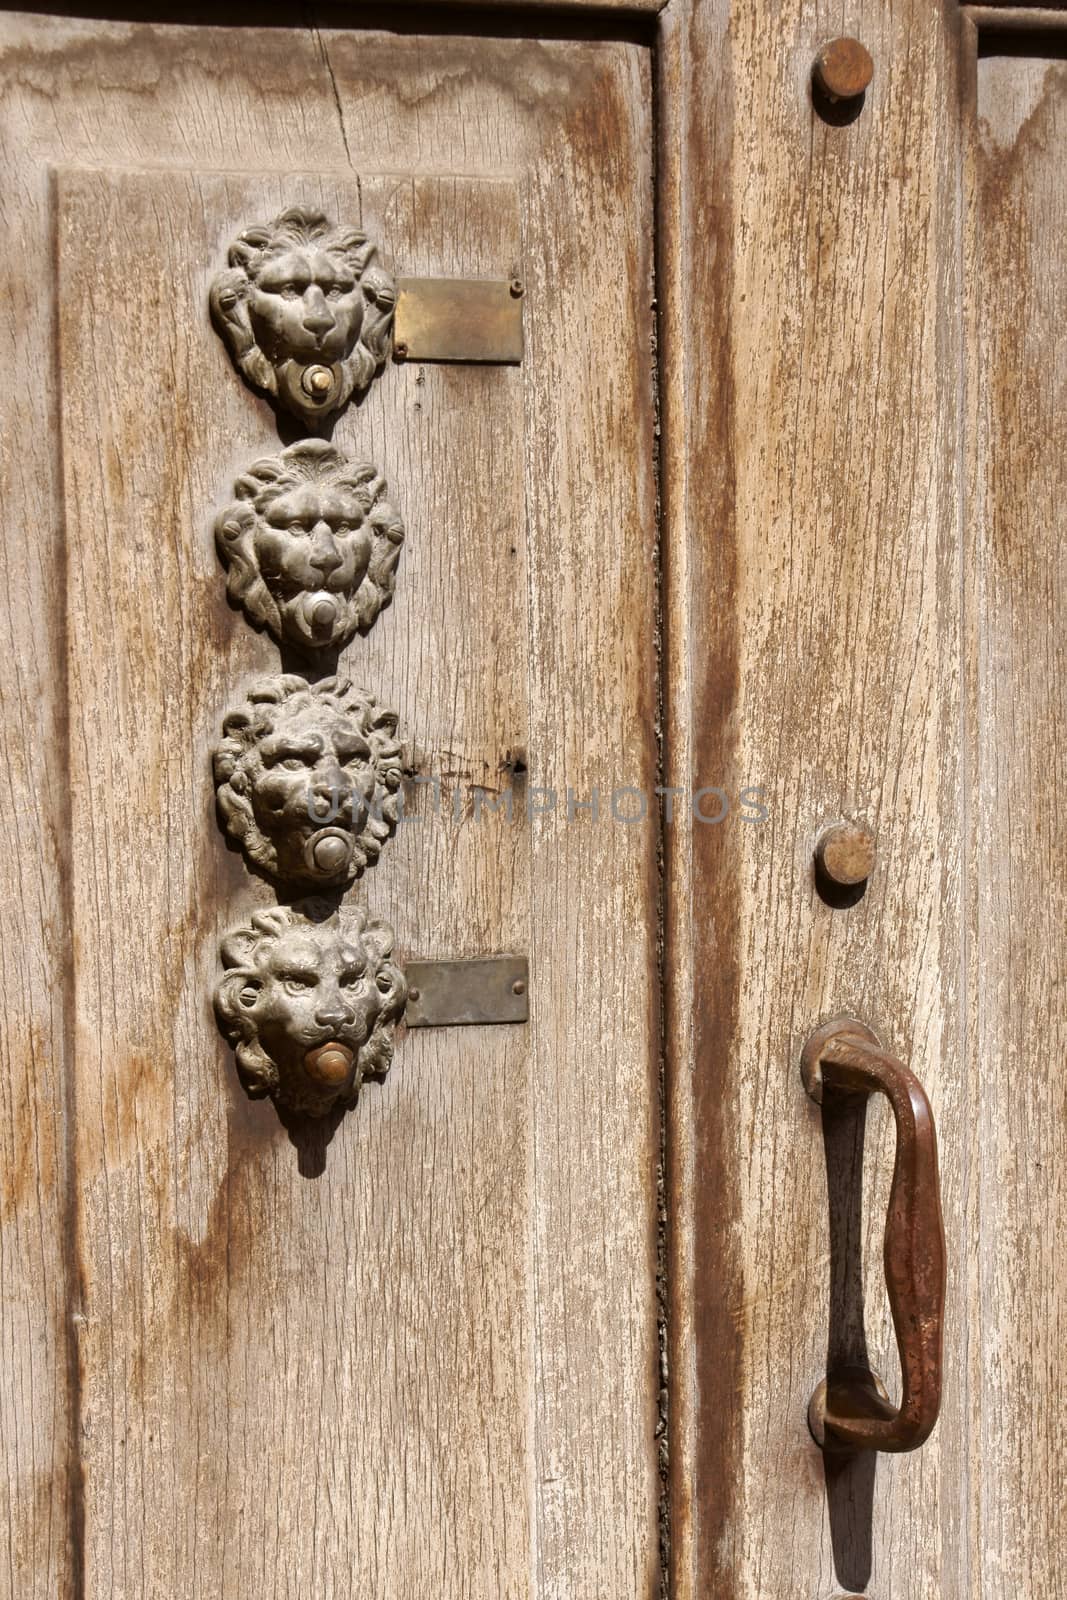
(243, 954)
(256, 246)
(310, 461)
(245, 728)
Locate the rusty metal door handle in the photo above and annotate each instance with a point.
(850, 1410)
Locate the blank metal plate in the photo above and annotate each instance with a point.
(457, 319)
(452, 993)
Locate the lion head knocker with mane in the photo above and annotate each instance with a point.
(310, 546)
(309, 1006)
(305, 310)
(307, 779)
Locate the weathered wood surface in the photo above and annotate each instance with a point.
(602, 12)
(421, 1357)
(38, 1529)
(812, 619)
(1018, 17)
(1016, 612)
(876, 631)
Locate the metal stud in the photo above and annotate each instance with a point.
(843, 69)
(845, 854)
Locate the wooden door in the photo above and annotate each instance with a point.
(875, 633)
(412, 1350)
(460, 1338)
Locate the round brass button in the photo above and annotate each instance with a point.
(317, 382)
(329, 1064)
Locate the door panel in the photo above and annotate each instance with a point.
(420, 1352)
(1016, 580)
(369, 1285)
(828, 674)
(880, 450)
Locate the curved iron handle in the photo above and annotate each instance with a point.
(850, 1410)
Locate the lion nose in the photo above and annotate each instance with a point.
(327, 798)
(318, 318)
(333, 785)
(324, 553)
(332, 1011)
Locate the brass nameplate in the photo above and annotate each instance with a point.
(458, 319)
(449, 994)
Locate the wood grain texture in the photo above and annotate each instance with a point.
(1016, 581)
(1016, 16)
(700, 665)
(602, 10)
(422, 1355)
(813, 627)
(38, 1294)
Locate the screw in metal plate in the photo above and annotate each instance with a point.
(400, 351)
(518, 987)
(413, 995)
(517, 287)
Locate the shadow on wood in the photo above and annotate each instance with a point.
(849, 1477)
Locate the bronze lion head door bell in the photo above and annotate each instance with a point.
(309, 767)
(309, 1004)
(306, 312)
(310, 546)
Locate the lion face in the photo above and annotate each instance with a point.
(311, 546)
(305, 304)
(308, 780)
(305, 310)
(310, 1006)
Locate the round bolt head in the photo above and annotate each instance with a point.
(413, 995)
(331, 853)
(845, 854)
(816, 1042)
(329, 1064)
(518, 987)
(853, 1384)
(843, 69)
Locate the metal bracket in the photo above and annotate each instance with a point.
(458, 319)
(449, 994)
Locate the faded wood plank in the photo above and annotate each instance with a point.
(1016, 17)
(38, 1293)
(813, 648)
(422, 1357)
(601, 11)
(593, 695)
(1016, 580)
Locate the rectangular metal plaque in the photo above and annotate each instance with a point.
(458, 319)
(447, 994)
